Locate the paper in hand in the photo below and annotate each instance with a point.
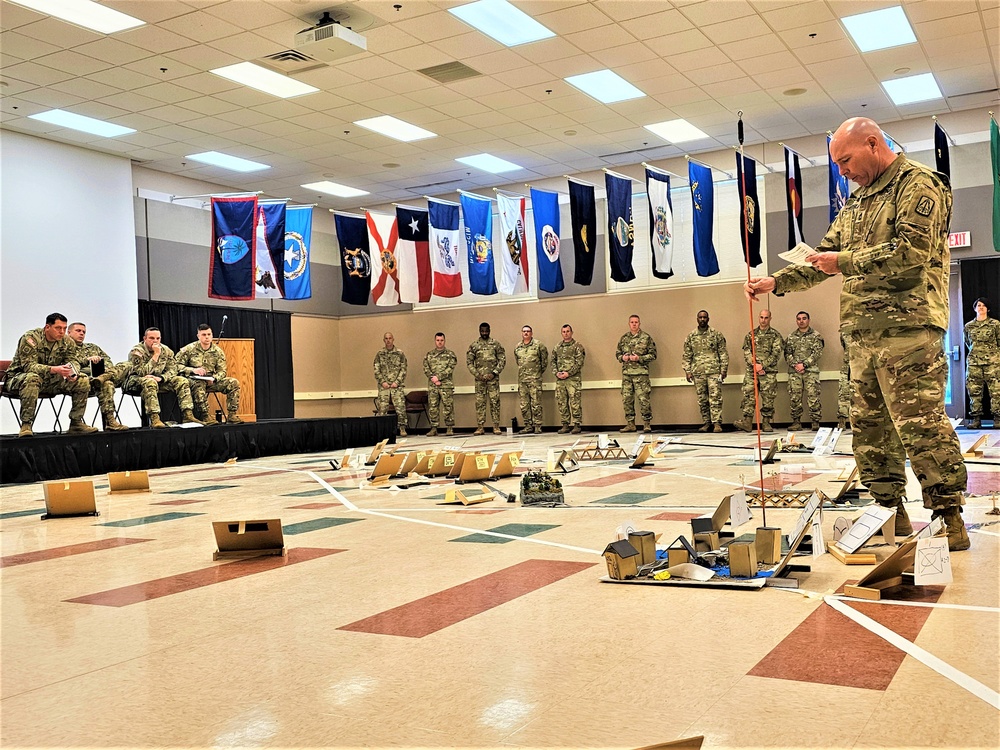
(797, 255)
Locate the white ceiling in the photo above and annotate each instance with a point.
(701, 60)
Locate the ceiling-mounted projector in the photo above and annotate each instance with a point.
(330, 42)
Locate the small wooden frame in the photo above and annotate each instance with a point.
(373, 456)
(593, 453)
(975, 450)
(476, 468)
(567, 462)
(386, 466)
(127, 482)
(465, 497)
(248, 538)
(506, 465)
(69, 499)
(887, 575)
(851, 558)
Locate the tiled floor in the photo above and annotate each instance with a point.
(387, 634)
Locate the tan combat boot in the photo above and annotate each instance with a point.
(25, 430)
(79, 427)
(432, 432)
(479, 430)
(766, 427)
(814, 426)
(188, 417)
(903, 526)
(630, 427)
(841, 423)
(155, 422)
(958, 537)
(705, 427)
(646, 427)
(402, 432)
(449, 432)
(538, 429)
(717, 428)
(528, 429)
(564, 430)
(576, 430)
(111, 422)
(743, 424)
(234, 419)
(795, 426)
(975, 424)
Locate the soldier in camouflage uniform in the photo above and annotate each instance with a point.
(705, 363)
(45, 364)
(486, 359)
(152, 369)
(390, 374)
(636, 349)
(982, 362)
(844, 390)
(103, 386)
(890, 242)
(803, 348)
(532, 358)
(439, 367)
(205, 358)
(770, 348)
(567, 361)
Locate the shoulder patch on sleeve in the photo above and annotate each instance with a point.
(924, 206)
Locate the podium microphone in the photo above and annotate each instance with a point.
(222, 328)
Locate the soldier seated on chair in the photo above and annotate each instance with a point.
(153, 369)
(205, 359)
(103, 386)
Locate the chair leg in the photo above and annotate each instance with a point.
(56, 412)
(17, 414)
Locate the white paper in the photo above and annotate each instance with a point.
(602, 440)
(691, 571)
(637, 447)
(623, 530)
(797, 255)
(804, 517)
(932, 562)
(865, 528)
(739, 511)
(840, 527)
(822, 435)
(819, 544)
(834, 438)
(935, 527)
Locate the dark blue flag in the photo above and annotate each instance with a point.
(269, 276)
(478, 215)
(355, 259)
(703, 212)
(942, 156)
(620, 229)
(746, 181)
(545, 206)
(234, 253)
(298, 240)
(583, 218)
(839, 188)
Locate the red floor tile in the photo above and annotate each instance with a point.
(673, 516)
(184, 501)
(984, 482)
(479, 511)
(234, 477)
(185, 471)
(315, 506)
(626, 476)
(72, 549)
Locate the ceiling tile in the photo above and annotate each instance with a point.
(23, 47)
(569, 20)
(247, 46)
(657, 24)
(249, 15)
(199, 26)
(706, 13)
(50, 98)
(703, 58)
(546, 50)
(54, 31)
(936, 10)
(768, 63)
(80, 87)
(168, 93)
(113, 51)
(671, 45)
(736, 29)
(32, 72)
(130, 101)
(442, 26)
(715, 73)
(622, 10)
(755, 47)
(424, 56)
(208, 105)
(609, 36)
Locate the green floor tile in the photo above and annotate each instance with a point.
(149, 519)
(315, 524)
(627, 498)
(308, 493)
(19, 513)
(205, 488)
(513, 529)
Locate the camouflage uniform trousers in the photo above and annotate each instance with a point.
(441, 398)
(488, 391)
(898, 381)
(807, 383)
(709, 391)
(29, 386)
(569, 400)
(200, 389)
(103, 386)
(529, 391)
(149, 390)
(398, 399)
(636, 387)
(844, 392)
(977, 379)
(767, 387)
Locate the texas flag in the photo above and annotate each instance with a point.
(413, 256)
(382, 238)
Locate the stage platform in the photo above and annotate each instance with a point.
(55, 456)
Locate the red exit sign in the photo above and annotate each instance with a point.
(959, 239)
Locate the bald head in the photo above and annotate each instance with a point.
(859, 149)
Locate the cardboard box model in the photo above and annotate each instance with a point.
(69, 499)
(248, 538)
(645, 542)
(743, 559)
(767, 541)
(621, 558)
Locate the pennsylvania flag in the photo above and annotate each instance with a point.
(545, 206)
(942, 156)
(478, 213)
(793, 197)
(661, 222)
(703, 213)
(995, 161)
(839, 189)
(621, 238)
(298, 240)
(268, 282)
(443, 241)
(583, 218)
(355, 260)
(234, 254)
(746, 172)
(383, 236)
(513, 262)
(413, 256)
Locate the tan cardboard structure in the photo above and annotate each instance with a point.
(69, 499)
(440, 464)
(976, 449)
(373, 456)
(642, 457)
(465, 497)
(386, 466)
(476, 468)
(248, 538)
(888, 574)
(506, 465)
(127, 482)
(688, 743)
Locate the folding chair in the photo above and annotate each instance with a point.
(8, 394)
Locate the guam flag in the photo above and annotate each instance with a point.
(583, 218)
(838, 188)
(661, 222)
(298, 240)
(355, 260)
(620, 230)
(268, 283)
(413, 255)
(545, 206)
(478, 213)
(746, 182)
(793, 197)
(703, 212)
(443, 241)
(231, 270)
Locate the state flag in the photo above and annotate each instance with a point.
(661, 222)
(478, 215)
(793, 197)
(621, 239)
(583, 219)
(383, 235)
(443, 219)
(995, 162)
(355, 259)
(839, 188)
(514, 254)
(298, 240)
(942, 154)
(413, 256)
(545, 206)
(746, 181)
(706, 262)
(268, 283)
(234, 253)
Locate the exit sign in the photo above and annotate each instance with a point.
(959, 239)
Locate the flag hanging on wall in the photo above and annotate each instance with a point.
(298, 240)
(268, 283)
(583, 218)
(839, 189)
(621, 239)
(793, 197)
(703, 217)
(383, 235)
(355, 259)
(514, 253)
(746, 182)
(478, 214)
(231, 270)
(413, 255)
(942, 156)
(545, 207)
(995, 161)
(661, 222)
(443, 241)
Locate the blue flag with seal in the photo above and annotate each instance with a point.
(478, 215)
(268, 282)
(298, 240)
(703, 212)
(234, 251)
(620, 228)
(355, 259)
(839, 188)
(746, 182)
(545, 207)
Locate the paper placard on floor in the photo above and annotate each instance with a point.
(935, 527)
(624, 529)
(739, 511)
(932, 562)
(373, 456)
(840, 527)
(127, 482)
(475, 468)
(822, 435)
(816, 532)
(602, 440)
(805, 517)
(865, 527)
(248, 538)
(638, 446)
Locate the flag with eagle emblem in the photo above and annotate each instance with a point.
(513, 254)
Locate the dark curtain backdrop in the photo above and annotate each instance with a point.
(271, 332)
(980, 278)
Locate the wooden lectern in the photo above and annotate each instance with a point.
(239, 365)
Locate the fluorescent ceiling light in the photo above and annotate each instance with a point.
(84, 13)
(502, 21)
(264, 80)
(489, 163)
(676, 131)
(919, 88)
(65, 119)
(880, 29)
(395, 128)
(605, 86)
(332, 188)
(226, 161)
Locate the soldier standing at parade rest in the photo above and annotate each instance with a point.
(982, 362)
(390, 374)
(205, 359)
(636, 349)
(486, 359)
(532, 358)
(890, 242)
(567, 361)
(439, 367)
(45, 364)
(770, 348)
(103, 386)
(844, 390)
(705, 363)
(803, 348)
(153, 369)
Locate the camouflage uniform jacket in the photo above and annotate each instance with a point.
(485, 357)
(37, 354)
(568, 357)
(440, 363)
(892, 244)
(640, 343)
(805, 347)
(770, 349)
(705, 353)
(141, 364)
(532, 359)
(193, 356)
(982, 342)
(390, 366)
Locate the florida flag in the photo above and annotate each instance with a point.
(382, 238)
(413, 256)
(443, 240)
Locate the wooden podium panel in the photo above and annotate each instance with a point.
(239, 365)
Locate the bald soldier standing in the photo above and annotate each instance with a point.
(890, 242)
(390, 374)
(636, 349)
